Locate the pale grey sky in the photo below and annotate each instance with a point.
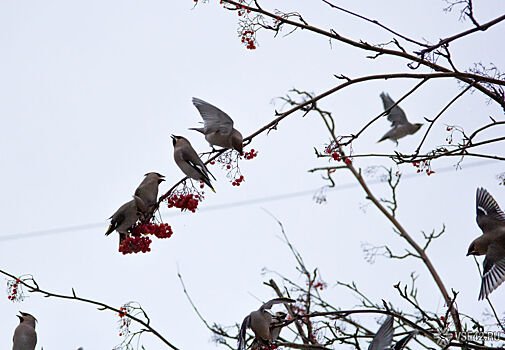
(89, 94)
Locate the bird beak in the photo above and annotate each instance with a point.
(173, 137)
(20, 318)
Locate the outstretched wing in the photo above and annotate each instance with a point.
(494, 270)
(268, 305)
(384, 337)
(489, 214)
(214, 119)
(396, 115)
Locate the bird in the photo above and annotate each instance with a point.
(400, 125)
(126, 216)
(383, 339)
(25, 337)
(148, 190)
(260, 321)
(491, 220)
(218, 127)
(189, 162)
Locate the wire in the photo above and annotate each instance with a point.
(32, 234)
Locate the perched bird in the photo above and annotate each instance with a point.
(25, 337)
(260, 321)
(400, 125)
(148, 190)
(491, 243)
(126, 216)
(217, 126)
(189, 162)
(383, 339)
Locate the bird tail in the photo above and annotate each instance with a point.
(206, 180)
(197, 129)
(112, 227)
(210, 173)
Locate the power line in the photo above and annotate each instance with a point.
(15, 236)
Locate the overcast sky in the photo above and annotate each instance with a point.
(89, 94)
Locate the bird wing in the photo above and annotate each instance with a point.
(396, 115)
(189, 155)
(214, 119)
(489, 214)
(494, 269)
(140, 204)
(402, 343)
(242, 334)
(199, 168)
(268, 305)
(117, 218)
(384, 337)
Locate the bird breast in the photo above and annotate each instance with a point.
(260, 324)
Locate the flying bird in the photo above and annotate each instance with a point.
(263, 324)
(491, 220)
(148, 190)
(126, 216)
(218, 127)
(25, 337)
(400, 125)
(189, 162)
(383, 339)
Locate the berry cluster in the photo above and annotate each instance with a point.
(238, 180)
(124, 321)
(335, 154)
(135, 244)
(137, 240)
(425, 166)
(246, 31)
(229, 162)
(14, 290)
(318, 285)
(159, 230)
(185, 199)
(248, 37)
(449, 138)
(251, 154)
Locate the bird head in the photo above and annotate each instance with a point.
(157, 176)
(280, 316)
(477, 247)
(175, 138)
(26, 317)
